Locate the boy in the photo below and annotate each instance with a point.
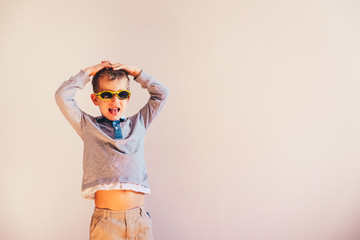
(114, 171)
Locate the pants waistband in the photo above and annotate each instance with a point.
(120, 214)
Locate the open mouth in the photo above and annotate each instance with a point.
(114, 111)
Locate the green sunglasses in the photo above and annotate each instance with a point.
(108, 95)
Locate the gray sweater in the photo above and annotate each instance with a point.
(109, 162)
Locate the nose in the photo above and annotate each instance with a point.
(115, 98)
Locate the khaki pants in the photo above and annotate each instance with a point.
(132, 224)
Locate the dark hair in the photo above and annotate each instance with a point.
(111, 74)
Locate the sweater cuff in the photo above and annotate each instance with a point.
(84, 76)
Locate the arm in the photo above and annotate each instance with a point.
(158, 96)
(158, 92)
(65, 95)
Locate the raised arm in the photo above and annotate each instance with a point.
(158, 92)
(65, 95)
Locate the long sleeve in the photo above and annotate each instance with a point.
(65, 99)
(158, 96)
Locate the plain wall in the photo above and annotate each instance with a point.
(259, 139)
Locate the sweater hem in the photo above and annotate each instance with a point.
(89, 193)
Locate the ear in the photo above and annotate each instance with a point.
(94, 99)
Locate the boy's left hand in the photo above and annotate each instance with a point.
(132, 70)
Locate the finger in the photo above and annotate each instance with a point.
(107, 65)
(118, 67)
(115, 65)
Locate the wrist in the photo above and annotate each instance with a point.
(88, 71)
(137, 72)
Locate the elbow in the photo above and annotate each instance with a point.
(165, 93)
(58, 97)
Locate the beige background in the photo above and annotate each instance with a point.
(259, 139)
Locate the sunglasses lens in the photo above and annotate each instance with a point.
(123, 94)
(106, 95)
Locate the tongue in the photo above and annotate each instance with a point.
(113, 111)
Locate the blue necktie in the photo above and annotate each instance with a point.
(117, 129)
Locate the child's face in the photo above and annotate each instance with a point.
(114, 108)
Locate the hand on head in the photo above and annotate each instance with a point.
(94, 69)
(132, 70)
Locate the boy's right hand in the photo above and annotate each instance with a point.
(94, 69)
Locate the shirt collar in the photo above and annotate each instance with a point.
(102, 118)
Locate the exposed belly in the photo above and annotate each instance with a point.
(119, 199)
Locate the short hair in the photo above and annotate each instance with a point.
(111, 74)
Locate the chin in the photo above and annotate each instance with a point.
(114, 118)
(111, 118)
